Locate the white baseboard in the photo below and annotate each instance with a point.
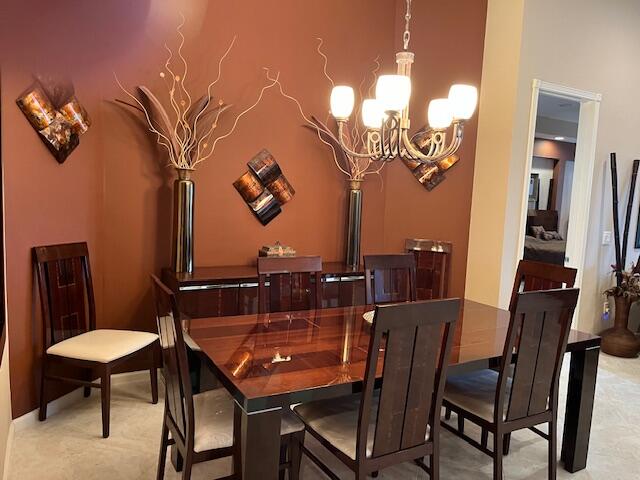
(75, 396)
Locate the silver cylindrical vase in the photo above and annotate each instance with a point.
(183, 205)
(354, 221)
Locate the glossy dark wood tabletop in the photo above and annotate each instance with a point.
(279, 359)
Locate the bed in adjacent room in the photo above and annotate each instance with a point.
(542, 242)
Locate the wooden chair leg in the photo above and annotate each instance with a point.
(460, 423)
(507, 443)
(295, 455)
(553, 449)
(447, 414)
(164, 440)
(153, 372)
(42, 416)
(434, 466)
(105, 390)
(88, 377)
(484, 438)
(284, 449)
(498, 442)
(188, 464)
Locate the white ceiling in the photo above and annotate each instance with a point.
(558, 108)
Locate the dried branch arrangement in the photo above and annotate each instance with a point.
(354, 168)
(187, 129)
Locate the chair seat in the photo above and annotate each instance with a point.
(475, 393)
(213, 412)
(336, 420)
(102, 346)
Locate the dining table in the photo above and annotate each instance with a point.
(269, 362)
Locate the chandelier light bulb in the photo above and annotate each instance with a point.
(372, 113)
(439, 113)
(463, 100)
(393, 92)
(342, 100)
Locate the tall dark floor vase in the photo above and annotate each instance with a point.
(354, 223)
(183, 205)
(619, 340)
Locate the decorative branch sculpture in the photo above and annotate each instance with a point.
(354, 168)
(188, 133)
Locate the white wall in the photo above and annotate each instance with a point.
(563, 220)
(556, 47)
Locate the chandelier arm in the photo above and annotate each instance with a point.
(346, 149)
(416, 153)
(383, 141)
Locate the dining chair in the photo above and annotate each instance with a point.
(202, 425)
(524, 393)
(390, 278)
(532, 276)
(294, 283)
(70, 339)
(433, 266)
(400, 421)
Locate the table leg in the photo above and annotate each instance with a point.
(580, 395)
(257, 439)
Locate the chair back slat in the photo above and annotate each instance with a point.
(533, 276)
(390, 278)
(416, 339)
(66, 291)
(536, 342)
(175, 369)
(295, 283)
(420, 396)
(433, 259)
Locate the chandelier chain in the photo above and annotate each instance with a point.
(407, 34)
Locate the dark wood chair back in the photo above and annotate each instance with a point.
(390, 278)
(417, 340)
(433, 260)
(538, 333)
(295, 283)
(175, 366)
(533, 276)
(66, 291)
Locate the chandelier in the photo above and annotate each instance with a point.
(386, 117)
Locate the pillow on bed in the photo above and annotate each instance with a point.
(537, 230)
(551, 235)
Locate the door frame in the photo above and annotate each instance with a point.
(583, 170)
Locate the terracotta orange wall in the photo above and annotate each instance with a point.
(114, 192)
(448, 50)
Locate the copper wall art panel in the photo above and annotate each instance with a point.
(430, 176)
(56, 114)
(264, 187)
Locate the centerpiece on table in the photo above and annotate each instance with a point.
(187, 130)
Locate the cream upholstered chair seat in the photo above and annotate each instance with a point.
(213, 412)
(336, 420)
(102, 346)
(475, 392)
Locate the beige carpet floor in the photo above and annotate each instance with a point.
(68, 445)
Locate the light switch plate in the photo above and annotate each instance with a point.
(606, 237)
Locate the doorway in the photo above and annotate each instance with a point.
(558, 176)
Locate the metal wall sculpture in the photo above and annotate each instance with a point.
(55, 113)
(264, 187)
